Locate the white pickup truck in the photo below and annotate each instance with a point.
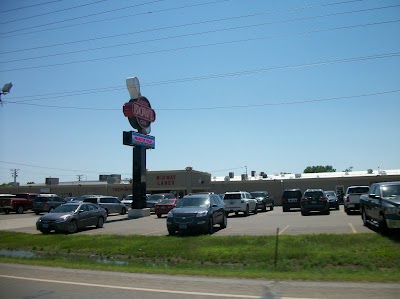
(351, 199)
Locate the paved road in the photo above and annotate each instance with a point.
(24, 281)
(289, 223)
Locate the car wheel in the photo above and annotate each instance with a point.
(236, 213)
(285, 209)
(304, 212)
(171, 232)
(264, 207)
(107, 212)
(224, 222)
(271, 208)
(337, 207)
(211, 226)
(347, 211)
(159, 215)
(37, 213)
(6, 212)
(364, 218)
(123, 211)
(255, 210)
(20, 209)
(100, 222)
(72, 227)
(382, 224)
(247, 212)
(45, 231)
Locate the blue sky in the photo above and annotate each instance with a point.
(272, 85)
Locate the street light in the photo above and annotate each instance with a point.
(6, 89)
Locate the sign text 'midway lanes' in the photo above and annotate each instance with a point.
(166, 180)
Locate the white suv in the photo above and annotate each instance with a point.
(240, 201)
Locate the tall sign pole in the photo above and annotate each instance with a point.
(140, 115)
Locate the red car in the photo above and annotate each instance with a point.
(164, 206)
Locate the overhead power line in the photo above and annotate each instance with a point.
(53, 12)
(199, 78)
(231, 106)
(13, 32)
(179, 26)
(207, 32)
(29, 6)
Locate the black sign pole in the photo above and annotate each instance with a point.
(139, 179)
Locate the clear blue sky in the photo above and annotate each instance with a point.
(272, 85)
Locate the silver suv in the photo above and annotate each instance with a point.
(110, 203)
(240, 201)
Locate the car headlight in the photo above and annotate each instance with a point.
(201, 214)
(170, 214)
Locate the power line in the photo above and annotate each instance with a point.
(207, 32)
(232, 106)
(29, 6)
(208, 77)
(102, 20)
(180, 26)
(53, 12)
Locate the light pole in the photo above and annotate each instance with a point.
(6, 89)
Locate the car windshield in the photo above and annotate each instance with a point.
(42, 199)
(65, 209)
(232, 196)
(195, 202)
(391, 190)
(155, 197)
(167, 201)
(330, 193)
(257, 194)
(129, 197)
(290, 194)
(359, 190)
(314, 194)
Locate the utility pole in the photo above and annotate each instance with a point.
(14, 174)
(79, 176)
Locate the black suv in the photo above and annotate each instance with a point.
(197, 212)
(314, 200)
(263, 200)
(291, 199)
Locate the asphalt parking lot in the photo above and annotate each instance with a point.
(263, 223)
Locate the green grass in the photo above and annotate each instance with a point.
(356, 257)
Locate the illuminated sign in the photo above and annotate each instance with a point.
(139, 113)
(132, 138)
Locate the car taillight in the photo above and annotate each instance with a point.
(323, 198)
(46, 203)
(283, 199)
(303, 199)
(348, 198)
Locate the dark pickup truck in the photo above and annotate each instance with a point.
(16, 203)
(381, 206)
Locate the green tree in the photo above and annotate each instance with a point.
(319, 168)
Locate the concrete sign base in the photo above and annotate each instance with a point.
(138, 213)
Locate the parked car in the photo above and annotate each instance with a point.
(352, 198)
(240, 201)
(263, 200)
(314, 200)
(156, 198)
(71, 217)
(163, 207)
(46, 203)
(198, 212)
(16, 203)
(110, 203)
(291, 198)
(332, 199)
(127, 201)
(381, 206)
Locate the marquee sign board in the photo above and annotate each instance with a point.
(135, 139)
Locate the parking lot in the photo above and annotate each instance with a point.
(263, 223)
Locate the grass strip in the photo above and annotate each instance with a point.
(350, 257)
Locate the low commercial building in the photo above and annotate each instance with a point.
(182, 182)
